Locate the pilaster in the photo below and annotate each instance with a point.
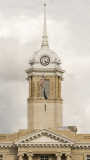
(59, 79)
(56, 78)
(33, 84)
(29, 86)
(38, 94)
(51, 85)
(54, 87)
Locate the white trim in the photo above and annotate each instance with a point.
(82, 145)
(44, 145)
(4, 145)
(23, 141)
(77, 145)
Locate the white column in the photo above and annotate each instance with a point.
(58, 157)
(30, 157)
(68, 157)
(20, 157)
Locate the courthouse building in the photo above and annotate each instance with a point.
(45, 138)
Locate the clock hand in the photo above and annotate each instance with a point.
(45, 61)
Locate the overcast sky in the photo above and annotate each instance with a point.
(21, 29)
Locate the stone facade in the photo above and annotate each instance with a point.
(36, 103)
(58, 144)
(36, 113)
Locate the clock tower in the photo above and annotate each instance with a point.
(44, 62)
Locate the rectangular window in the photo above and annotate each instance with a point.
(44, 157)
(88, 157)
(46, 86)
(1, 157)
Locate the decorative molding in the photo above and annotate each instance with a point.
(68, 144)
(46, 71)
(82, 145)
(6, 145)
(30, 154)
(56, 140)
(44, 145)
(20, 154)
(58, 154)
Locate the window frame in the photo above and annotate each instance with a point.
(44, 157)
(87, 158)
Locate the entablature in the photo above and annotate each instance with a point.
(46, 72)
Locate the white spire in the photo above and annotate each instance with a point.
(45, 38)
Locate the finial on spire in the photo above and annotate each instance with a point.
(45, 38)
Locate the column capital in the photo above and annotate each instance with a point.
(58, 154)
(20, 154)
(30, 154)
(68, 154)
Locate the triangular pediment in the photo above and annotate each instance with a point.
(44, 137)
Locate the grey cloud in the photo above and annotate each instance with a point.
(68, 29)
(13, 85)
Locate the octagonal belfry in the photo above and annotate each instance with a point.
(44, 62)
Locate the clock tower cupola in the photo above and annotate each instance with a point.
(44, 62)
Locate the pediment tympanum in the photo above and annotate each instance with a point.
(44, 137)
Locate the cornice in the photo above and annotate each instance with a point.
(45, 145)
(82, 145)
(44, 70)
(41, 69)
(41, 100)
(6, 145)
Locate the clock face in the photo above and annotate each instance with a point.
(44, 60)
